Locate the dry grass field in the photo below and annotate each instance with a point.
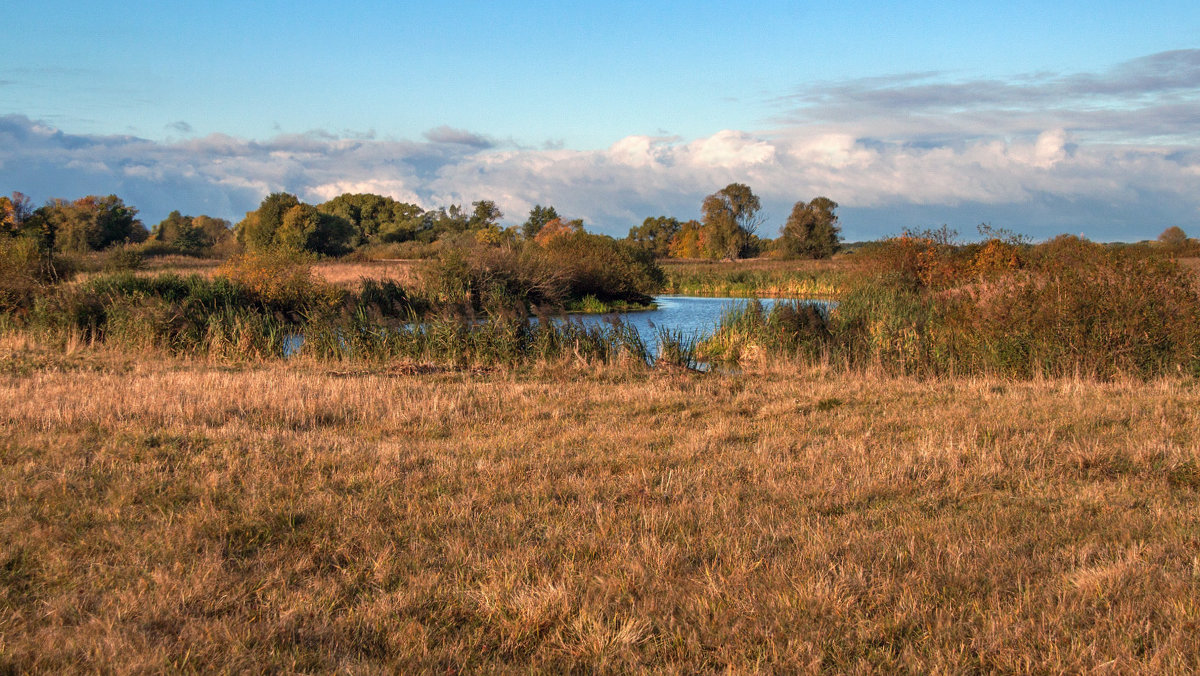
(345, 274)
(169, 515)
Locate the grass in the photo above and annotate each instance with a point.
(165, 514)
(339, 273)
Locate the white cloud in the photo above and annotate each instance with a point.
(893, 152)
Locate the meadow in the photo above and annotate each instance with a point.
(986, 458)
(172, 514)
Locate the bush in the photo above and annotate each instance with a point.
(27, 269)
(594, 265)
(283, 280)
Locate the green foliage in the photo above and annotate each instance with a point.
(655, 234)
(789, 329)
(811, 230)
(90, 223)
(539, 216)
(730, 219)
(464, 277)
(191, 235)
(375, 217)
(595, 265)
(283, 221)
(257, 231)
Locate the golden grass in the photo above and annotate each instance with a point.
(340, 273)
(166, 515)
(403, 272)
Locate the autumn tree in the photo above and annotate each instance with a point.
(92, 223)
(811, 230)
(14, 212)
(685, 243)
(1173, 238)
(557, 229)
(731, 216)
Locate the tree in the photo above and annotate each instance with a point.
(188, 233)
(375, 217)
(539, 216)
(557, 229)
(654, 235)
(257, 230)
(1173, 238)
(14, 212)
(811, 230)
(686, 242)
(730, 218)
(92, 223)
(282, 220)
(486, 215)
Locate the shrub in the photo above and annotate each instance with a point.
(27, 269)
(283, 280)
(599, 266)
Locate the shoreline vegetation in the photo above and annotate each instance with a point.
(985, 457)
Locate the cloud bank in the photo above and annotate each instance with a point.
(1115, 155)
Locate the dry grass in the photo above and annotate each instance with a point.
(345, 274)
(404, 272)
(166, 515)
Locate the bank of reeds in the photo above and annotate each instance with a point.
(749, 279)
(924, 306)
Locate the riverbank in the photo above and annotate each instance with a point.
(167, 514)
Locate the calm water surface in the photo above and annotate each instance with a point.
(693, 316)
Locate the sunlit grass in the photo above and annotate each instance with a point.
(161, 514)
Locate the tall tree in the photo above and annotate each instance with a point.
(812, 230)
(375, 216)
(731, 216)
(485, 215)
(539, 216)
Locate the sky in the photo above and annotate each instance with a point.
(1040, 118)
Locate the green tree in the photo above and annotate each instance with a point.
(375, 217)
(92, 223)
(257, 230)
(731, 216)
(486, 216)
(811, 230)
(654, 235)
(539, 216)
(282, 220)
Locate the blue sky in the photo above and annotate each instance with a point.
(1039, 117)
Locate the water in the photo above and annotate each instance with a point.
(693, 316)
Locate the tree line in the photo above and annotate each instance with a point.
(728, 228)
